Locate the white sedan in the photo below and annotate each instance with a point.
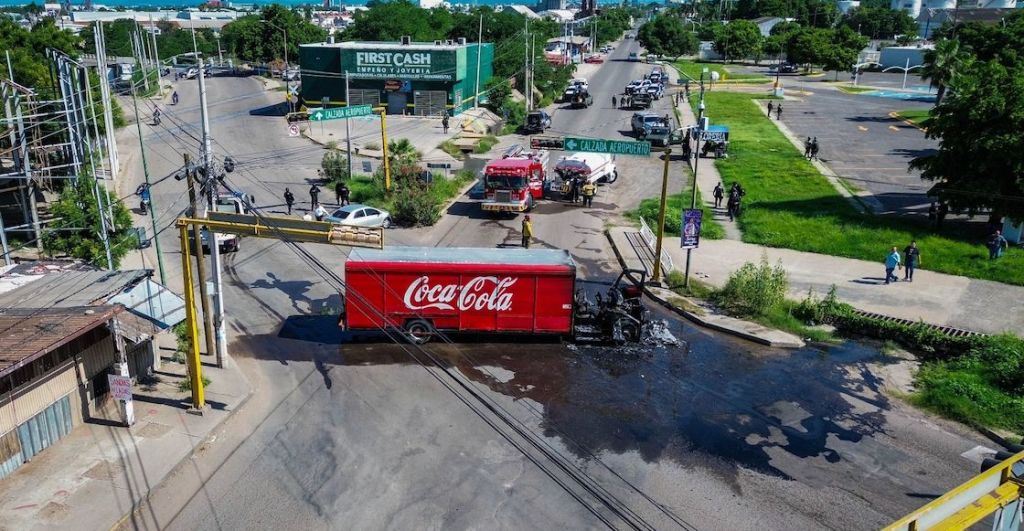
(357, 215)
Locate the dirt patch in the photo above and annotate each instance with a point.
(104, 471)
(153, 430)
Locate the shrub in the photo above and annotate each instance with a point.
(334, 166)
(186, 384)
(414, 205)
(755, 289)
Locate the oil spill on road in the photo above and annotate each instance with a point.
(718, 405)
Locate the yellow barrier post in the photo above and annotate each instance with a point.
(195, 367)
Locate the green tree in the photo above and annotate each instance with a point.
(667, 35)
(980, 129)
(809, 46)
(28, 51)
(846, 47)
(402, 152)
(390, 21)
(941, 64)
(260, 37)
(76, 228)
(879, 22)
(738, 39)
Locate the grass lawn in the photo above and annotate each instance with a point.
(963, 390)
(790, 205)
(853, 90)
(693, 70)
(648, 209)
(914, 116)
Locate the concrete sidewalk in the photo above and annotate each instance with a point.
(100, 472)
(935, 298)
(707, 172)
(424, 133)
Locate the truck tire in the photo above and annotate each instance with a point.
(613, 177)
(419, 331)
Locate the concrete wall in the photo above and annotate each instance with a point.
(898, 56)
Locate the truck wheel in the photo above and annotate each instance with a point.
(419, 331)
(630, 330)
(614, 177)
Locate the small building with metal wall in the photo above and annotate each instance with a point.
(53, 375)
(416, 78)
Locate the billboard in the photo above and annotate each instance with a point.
(413, 64)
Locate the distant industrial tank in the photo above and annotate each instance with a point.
(912, 7)
(997, 4)
(940, 4)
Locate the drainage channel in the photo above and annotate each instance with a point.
(948, 330)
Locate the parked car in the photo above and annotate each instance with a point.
(580, 83)
(644, 121)
(569, 94)
(537, 122)
(594, 59)
(191, 73)
(357, 215)
(633, 56)
(655, 91)
(785, 68)
(633, 86)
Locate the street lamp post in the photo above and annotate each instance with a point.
(284, 73)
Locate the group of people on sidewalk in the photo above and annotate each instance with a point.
(910, 261)
(811, 148)
(736, 193)
(341, 190)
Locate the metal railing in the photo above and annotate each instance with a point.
(652, 241)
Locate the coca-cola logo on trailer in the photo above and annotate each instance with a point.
(480, 293)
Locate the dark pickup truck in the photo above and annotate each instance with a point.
(581, 100)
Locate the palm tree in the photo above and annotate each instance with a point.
(941, 65)
(402, 151)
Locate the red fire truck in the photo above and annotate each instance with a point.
(516, 181)
(426, 290)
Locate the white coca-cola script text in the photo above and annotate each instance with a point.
(480, 293)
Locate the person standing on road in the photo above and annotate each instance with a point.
(807, 146)
(615, 103)
(527, 231)
(343, 194)
(289, 200)
(814, 148)
(770, 107)
(577, 188)
(314, 193)
(892, 261)
(444, 122)
(996, 245)
(589, 189)
(174, 98)
(719, 194)
(912, 259)
(778, 112)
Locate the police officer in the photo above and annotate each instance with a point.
(289, 199)
(527, 231)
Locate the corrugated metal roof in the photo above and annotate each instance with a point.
(464, 255)
(153, 301)
(28, 333)
(71, 288)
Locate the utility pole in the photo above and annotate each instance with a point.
(193, 200)
(348, 128)
(479, 52)
(211, 195)
(156, 55)
(152, 206)
(526, 67)
(656, 278)
(108, 116)
(384, 147)
(127, 407)
(696, 163)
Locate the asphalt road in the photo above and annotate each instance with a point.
(859, 139)
(353, 434)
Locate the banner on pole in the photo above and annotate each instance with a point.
(690, 238)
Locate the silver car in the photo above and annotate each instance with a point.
(357, 215)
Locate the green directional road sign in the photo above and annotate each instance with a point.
(601, 145)
(318, 115)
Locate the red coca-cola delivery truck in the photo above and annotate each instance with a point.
(426, 290)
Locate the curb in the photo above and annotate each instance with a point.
(692, 317)
(896, 116)
(144, 499)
